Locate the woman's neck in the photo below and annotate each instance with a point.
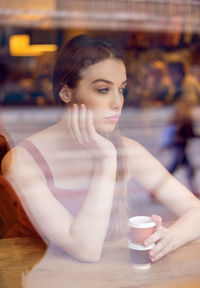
(63, 136)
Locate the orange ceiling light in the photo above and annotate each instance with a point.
(19, 45)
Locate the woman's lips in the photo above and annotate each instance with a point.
(113, 119)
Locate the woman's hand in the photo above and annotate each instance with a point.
(162, 238)
(81, 127)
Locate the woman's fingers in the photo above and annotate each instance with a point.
(90, 126)
(164, 243)
(164, 240)
(82, 123)
(157, 219)
(162, 252)
(156, 236)
(75, 124)
(159, 231)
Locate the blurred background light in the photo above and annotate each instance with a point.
(19, 45)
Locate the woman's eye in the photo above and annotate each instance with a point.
(103, 90)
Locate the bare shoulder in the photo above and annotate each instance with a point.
(132, 147)
(129, 142)
(18, 165)
(138, 157)
(19, 156)
(132, 152)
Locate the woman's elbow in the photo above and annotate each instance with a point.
(86, 257)
(89, 254)
(85, 253)
(89, 258)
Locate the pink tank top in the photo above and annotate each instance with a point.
(72, 200)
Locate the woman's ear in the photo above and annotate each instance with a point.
(66, 94)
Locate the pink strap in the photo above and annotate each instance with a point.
(40, 160)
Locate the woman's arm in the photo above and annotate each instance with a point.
(150, 172)
(82, 236)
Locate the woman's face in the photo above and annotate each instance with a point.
(101, 90)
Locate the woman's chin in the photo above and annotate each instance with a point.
(105, 128)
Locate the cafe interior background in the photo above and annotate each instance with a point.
(152, 34)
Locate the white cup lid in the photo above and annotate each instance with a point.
(142, 266)
(141, 222)
(139, 247)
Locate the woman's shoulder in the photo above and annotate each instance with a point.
(15, 159)
(27, 153)
(130, 144)
(19, 159)
(134, 151)
(38, 140)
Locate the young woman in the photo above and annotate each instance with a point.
(71, 177)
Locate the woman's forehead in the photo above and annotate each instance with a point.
(110, 69)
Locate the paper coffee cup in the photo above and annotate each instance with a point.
(140, 255)
(141, 228)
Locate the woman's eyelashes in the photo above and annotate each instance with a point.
(106, 90)
(103, 90)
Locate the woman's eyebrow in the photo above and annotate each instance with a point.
(106, 81)
(124, 82)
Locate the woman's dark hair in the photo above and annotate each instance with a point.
(76, 55)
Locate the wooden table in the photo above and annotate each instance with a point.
(24, 262)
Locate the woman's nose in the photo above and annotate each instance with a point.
(117, 100)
